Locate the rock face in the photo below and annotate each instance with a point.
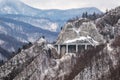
(102, 66)
(82, 27)
(109, 24)
(41, 61)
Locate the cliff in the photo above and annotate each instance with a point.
(77, 28)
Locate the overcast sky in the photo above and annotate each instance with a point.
(67, 4)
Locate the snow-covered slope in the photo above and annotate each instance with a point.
(36, 63)
(76, 29)
(70, 13)
(9, 43)
(41, 61)
(109, 24)
(43, 23)
(24, 32)
(59, 16)
(16, 7)
(4, 55)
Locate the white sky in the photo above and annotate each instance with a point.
(67, 4)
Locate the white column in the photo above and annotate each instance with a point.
(85, 46)
(58, 49)
(113, 30)
(76, 47)
(66, 48)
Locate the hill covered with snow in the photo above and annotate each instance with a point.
(41, 61)
(21, 24)
(59, 16)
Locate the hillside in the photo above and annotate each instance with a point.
(77, 28)
(35, 63)
(42, 62)
(4, 55)
(109, 23)
(6, 42)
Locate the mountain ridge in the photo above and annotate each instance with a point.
(101, 62)
(17, 5)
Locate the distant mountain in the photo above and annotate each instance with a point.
(59, 16)
(43, 23)
(24, 32)
(9, 43)
(18, 7)
(14, 34)
(70, 13)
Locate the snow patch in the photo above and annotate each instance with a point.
(41, 40)
(92, 41)
(76, 39)
(77, 31)
(50, 46)
(2, 42)
(109, 47)
(53, 27)
(83, 38)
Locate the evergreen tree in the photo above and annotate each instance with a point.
(61, 28)
(19, 50)
(86, 15)
(43, 37)
(83, 15)
(106, 11)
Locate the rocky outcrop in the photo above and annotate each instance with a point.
(109, 25)
(102, 66)
(82, 27)
(17, 64)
